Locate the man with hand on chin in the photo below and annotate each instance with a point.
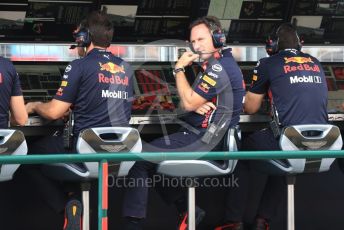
(220, 83)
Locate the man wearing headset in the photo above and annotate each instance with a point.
(11, 97)
(296, 86)
(220, 83)
(98, 87)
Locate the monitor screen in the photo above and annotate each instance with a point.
(274, 9)
(52, 20)
(11, 24)
(304, 7)
(121, 15)
(251, 30)
(334, 29)
(153, 7)
(250, 9)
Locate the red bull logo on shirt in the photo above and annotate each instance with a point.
(113, 79)
(111, 67)
(0, 78)
(204, 87)
(299, 60)
(302, 64)
(301, 67)
(59, 92)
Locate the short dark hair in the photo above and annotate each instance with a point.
(100, 28)
(287, 37)
(209, 21)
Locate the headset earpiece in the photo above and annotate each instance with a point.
(219, 38)
(271, 43)
(82, 37)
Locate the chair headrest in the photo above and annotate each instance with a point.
(10, 141)
(311, 137)
(108, 139)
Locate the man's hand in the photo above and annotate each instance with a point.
(186, 59)
(30, 107)
(205, 108)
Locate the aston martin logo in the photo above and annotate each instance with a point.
(3, 150)
(113, 148)
(313, 144)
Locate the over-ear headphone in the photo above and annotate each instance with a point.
(271, 43)
(217, 34)
(82, 37)
(219, 38)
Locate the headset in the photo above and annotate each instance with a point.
(271, 43)
(217, 34)
(82, 38)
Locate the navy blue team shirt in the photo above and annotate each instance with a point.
(9, 86)
(297, 84)
(100, 88)
(221, 83)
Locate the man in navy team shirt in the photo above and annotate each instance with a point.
(98, 88)
(11, 97)
(215, 97)
(296, 85)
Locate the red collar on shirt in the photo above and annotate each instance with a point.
(216, 55)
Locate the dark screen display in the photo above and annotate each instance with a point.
(11, 22)
(148, 27)
(165, 7)
(42, 20)
(304, 7)
(274, 9)
(61, 12)
(251, 30)
(174, 28)
(268, 27)
(250, 9)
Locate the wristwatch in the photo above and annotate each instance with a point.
(177, 70)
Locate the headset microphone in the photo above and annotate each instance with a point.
(200, 52)
(74, 46)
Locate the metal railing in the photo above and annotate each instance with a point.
(103, 159)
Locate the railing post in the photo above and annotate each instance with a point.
(103, 195)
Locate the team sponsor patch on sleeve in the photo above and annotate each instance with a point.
(216, 67)
(209, 80)
(59, 92)
(68, 68)
(204, 87)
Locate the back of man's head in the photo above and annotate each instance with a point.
(287, 37)
(100, 28)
